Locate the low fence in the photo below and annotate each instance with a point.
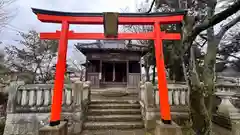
(226, 98)
(29, 107)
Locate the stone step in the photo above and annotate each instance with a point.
(114, 106)
(114, 101)
(114, 118)
(113, 111)
(112, 125)
(114, 132)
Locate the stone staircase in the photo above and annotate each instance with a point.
(105, 115)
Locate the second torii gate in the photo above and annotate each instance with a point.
(66, 18)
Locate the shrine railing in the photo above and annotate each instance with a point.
(177, 94)
(226, 99)
(27, 98)
(30, 105)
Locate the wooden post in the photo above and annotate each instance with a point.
(141, 69)
(59, 77)
(114, 72)
(127, 72)
(86, 68)
(162, 81)
(101, 70)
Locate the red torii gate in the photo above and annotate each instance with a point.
(66, 18)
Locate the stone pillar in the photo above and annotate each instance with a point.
(167, 129)
(77, 88)
(140, 89)
(88, 86)
(227, 109)
(149, 107)
(61, 129)
(148, 95)
(12, 93)
(235, 123)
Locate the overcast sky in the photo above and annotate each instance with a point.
(25, 20)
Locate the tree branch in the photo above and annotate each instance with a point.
(150, 9)
(201, 45)
(203, 36)
(215, 19)
(226, 27)
(234, 56)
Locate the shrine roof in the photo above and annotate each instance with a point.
(60, 13)
(110, 45)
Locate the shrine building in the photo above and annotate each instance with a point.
(112, 63)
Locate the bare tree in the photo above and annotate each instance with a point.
(5, 15)
(36, 57)
(78, 68)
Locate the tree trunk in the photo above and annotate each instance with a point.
(171, 73)
(177, 70)
(201, 121)
(146, 68)
(199, 106)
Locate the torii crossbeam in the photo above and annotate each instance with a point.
(66, 18)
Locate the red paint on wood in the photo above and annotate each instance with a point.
(121, 20)
(59, 76)
(162, 81)
(170, 36)
(98, 36)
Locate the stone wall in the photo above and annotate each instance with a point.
(29, 105)
(30, 123)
